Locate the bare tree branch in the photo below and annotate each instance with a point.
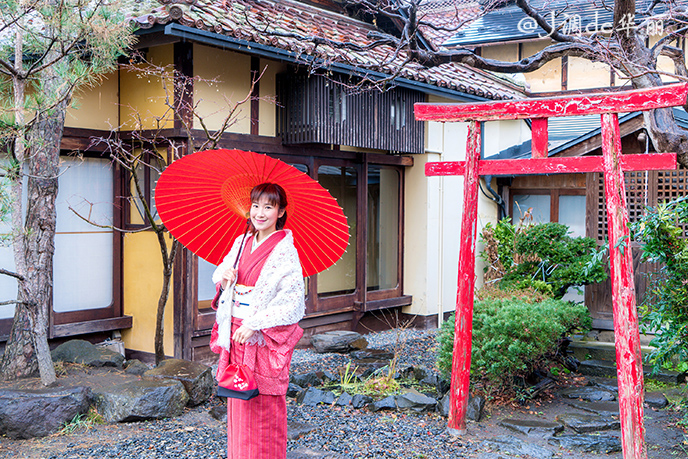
(12, 274)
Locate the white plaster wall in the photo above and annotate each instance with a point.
(434, 208)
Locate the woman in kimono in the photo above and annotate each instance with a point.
(259, 307)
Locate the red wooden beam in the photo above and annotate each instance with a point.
(465, 289)
(539, 144)
(566, 165)
(629, 364)
(625, 101)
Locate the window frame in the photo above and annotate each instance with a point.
(553, 193)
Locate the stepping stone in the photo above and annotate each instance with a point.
(610, 384)
(584, 423)
(608, 369)
(296, 430)
(588, 393)
(656, 400)
(307, 453)
(601, 408)
(513, 446)
(587, 443)
(532, 426)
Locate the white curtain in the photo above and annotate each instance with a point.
(206, 288)
(83, 263)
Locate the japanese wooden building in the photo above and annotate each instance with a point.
(363, 146)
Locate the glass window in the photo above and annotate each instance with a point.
(383, 228)
(83, 263)
(341, 182)
(206, 288)
(8, 285)
(148, 172)
(537, 205)
(572, 213)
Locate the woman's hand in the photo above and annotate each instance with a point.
(228, 277)
(242, 334)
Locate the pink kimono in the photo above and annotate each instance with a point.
(257, 428)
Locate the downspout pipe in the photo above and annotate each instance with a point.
(494, 196)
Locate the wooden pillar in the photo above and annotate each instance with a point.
(626, 333)
(463, 328)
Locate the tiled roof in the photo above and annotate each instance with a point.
(509, 22)
(446, 14)
(261, 21)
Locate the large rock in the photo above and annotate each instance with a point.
(344, 400)
(197, 378)
(387, 403)
(306, 379)
(358, 401)
(474, 410)
(587, 443)
(313, 396)
(135, 367)
(371, 359)
(27, 414)
(512, 446)
(85, 353)
(341, 341)
(142, 400)
(412, 400)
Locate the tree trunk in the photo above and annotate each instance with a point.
(27, 348)
(168, 261)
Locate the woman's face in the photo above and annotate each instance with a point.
(264, 217)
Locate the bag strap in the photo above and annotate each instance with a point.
(241, 246)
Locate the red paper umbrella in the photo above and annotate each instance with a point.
(203, 199)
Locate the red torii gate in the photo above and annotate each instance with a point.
(612, 164)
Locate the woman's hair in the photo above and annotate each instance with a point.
(273, 194)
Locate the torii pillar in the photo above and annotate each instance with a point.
(612, 164)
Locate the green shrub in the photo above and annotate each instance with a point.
(664, 309)
(511, 337)
(540, 256)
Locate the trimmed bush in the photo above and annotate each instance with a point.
(512, 337)
(540, 256)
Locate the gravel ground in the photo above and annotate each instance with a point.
(352, 434)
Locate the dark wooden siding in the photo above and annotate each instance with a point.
(317, 109)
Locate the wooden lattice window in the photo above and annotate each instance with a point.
(319, 109)
(643, 189)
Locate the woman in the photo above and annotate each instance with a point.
(260, 304)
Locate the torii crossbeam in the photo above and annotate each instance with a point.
(612, 164)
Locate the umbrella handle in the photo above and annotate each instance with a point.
(241, 246)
